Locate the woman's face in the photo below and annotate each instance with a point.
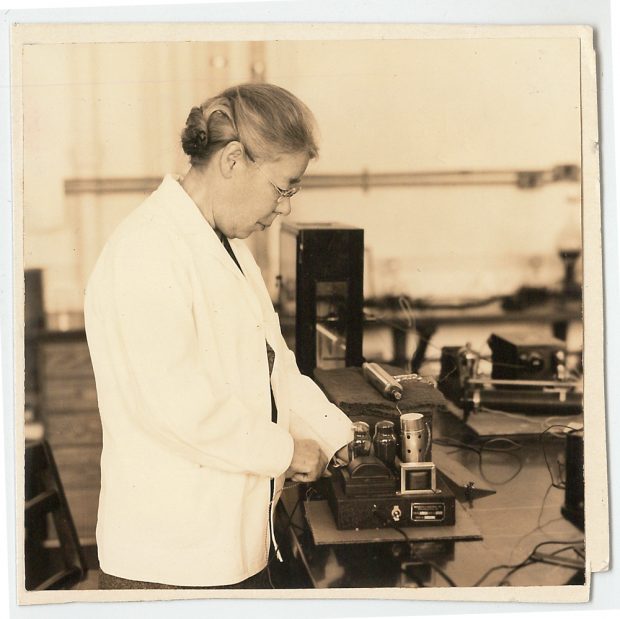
(252, 204)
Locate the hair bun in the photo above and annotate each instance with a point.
(194, 138)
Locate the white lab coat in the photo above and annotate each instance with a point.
(177, 340)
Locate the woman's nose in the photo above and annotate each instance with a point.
(284, 206)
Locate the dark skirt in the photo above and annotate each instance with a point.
(261, 580)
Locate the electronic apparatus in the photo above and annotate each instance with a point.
(321, 294)
(528, 375)
(383, 489)
(525, 356)
(367, 494)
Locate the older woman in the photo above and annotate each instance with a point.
(203, 408)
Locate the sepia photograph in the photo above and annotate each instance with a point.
(312, 313)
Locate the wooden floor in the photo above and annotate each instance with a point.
(92, 577)
(91, 582)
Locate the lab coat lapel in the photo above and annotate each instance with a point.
(216, 248)
(258, 291)
(253, 301)
(182, 213)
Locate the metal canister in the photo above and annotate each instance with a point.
(384, 442)
(416, 437)
(383, 382)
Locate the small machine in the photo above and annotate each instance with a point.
(381, 509)
(528, 375)
(375, 491)
(391, 479)
(525, 357)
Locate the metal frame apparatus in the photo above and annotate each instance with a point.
(416, 467)
(321, 293)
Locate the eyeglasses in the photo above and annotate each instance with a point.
(283, 194)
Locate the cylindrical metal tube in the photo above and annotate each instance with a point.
(416, 437)
(383, 382)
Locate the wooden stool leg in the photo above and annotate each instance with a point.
(45, 495)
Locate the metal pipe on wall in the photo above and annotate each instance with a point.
(522, 179)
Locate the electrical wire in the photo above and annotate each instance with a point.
(549, 422)
(512, 447)
(269, 575)
(494, 411)
(561, 550)
(450, 442)
(447, 375)
(542, 508)
(491, 570)
(504, 581)
(580, 551)
(432, 564)
(539, 526)
(529, 560)
(404, 329)
(441, 572)
(541, 437)
(385, 521)
(405, 305)
(290, 523)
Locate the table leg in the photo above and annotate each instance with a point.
(425, 333)
(399, 347)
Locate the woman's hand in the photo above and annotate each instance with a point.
(308, 461)
(342, 455)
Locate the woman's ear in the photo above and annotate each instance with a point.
(232, 155)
